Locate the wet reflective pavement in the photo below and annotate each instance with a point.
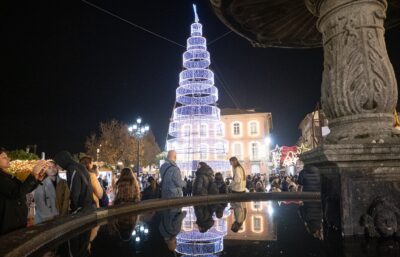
(228, 229)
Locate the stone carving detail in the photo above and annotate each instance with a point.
(358, 78)
(382, 219)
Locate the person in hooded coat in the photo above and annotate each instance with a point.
(204, 217)
(204, 183)
(78, 179)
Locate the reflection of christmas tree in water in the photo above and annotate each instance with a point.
(195, 126)
(192, 242)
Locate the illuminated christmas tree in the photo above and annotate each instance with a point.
(196, 128)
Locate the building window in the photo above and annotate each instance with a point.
(256, 206)
(219, 151)
(203, 130)
(219, 130)
(254, 151)
(203, 152)
(237, 150)
(253, 128)
(257, 223)
(186, 130)
(236, 128)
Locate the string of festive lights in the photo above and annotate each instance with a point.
(191, 242)
(195, 126)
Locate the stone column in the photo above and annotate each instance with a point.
(360, 159)
(359, 90)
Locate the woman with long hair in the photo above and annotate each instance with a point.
(238, 184)
(127, 188)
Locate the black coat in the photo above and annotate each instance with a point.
(222, 188)
(81, 191)
(204, 217)
(148, 193)
(13, 207)
(204, 182)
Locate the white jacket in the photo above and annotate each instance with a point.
(238, 183)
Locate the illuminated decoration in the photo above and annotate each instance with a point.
(276, 157)
(302, 149)
(286, 156)
(190, 242)
(196, 127)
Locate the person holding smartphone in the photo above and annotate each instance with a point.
(13, 208)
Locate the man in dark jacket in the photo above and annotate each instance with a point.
(204, 183)
(13, 208)
(81, 191)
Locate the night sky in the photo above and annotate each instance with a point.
(67, 66)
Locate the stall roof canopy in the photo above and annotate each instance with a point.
(280, 23)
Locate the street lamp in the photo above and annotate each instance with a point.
(138, 130)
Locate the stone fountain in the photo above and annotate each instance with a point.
(360, 159)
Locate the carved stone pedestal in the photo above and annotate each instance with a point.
(352, 177)
(359, 89)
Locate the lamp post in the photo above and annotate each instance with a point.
(138, 130)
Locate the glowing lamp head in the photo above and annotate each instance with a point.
(134, 127)
(146, 128)
(138, 120)
(268, 140)
(130, 129)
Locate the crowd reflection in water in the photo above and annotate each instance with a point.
(170, 226)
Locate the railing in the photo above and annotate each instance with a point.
(26, 241)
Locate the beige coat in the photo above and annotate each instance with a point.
(238, 183)
(97, 189)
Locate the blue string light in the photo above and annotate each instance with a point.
(196, 127)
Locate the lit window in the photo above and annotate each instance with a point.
(219, 130)
(254, 151)
(256, 205)
(253, 128)
(203, 152)
(186, 130)
(257, 223)
(237, 150)
(203, 130)
(236, 128)
(219, 151)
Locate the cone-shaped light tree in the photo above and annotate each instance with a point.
(196, 128)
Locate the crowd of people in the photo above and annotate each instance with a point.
(84, 190)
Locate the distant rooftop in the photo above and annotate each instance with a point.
(233, 111)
